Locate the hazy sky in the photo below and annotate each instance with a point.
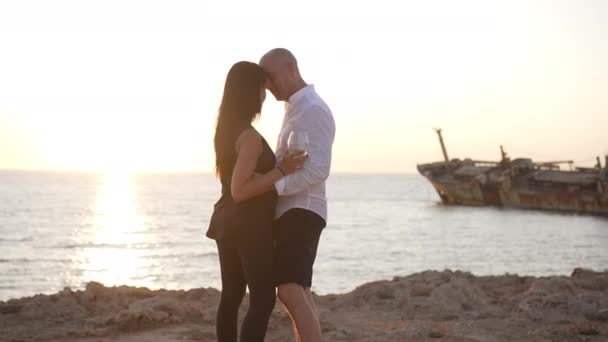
(135, 85)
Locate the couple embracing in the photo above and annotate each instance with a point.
(272, 210)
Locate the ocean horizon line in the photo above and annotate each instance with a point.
(189, 172)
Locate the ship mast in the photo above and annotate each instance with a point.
(504, 157)
(445, 153)
(606, 167)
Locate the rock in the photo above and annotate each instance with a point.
(587, 328)
(174, 319)
(327, 326)
(600, 315)
(133, 320)
(342, 334)
(196, 294)
(427, 306)
(93, 292)
(590, 331)
(580, 272)
(448, 316)
(100, 321)
(35, 309)
(385, 293)
(584, 304)
(94, 286)
(435, 334)
(590, 280)
(99, 332)
(157, 304)
(208, 317)
(9, 308)
(421, 291)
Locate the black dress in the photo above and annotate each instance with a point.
(232, 220)
(243, 233)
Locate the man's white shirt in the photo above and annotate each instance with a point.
(305, 188)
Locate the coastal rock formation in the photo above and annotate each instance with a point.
(443, 306)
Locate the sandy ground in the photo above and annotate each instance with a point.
(449, 306)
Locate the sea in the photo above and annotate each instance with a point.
(64, 229)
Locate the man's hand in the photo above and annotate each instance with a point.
(291, 163)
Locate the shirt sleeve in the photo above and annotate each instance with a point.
(321, 131)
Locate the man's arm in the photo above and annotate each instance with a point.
(321, 130)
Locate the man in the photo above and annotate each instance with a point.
(301, 212)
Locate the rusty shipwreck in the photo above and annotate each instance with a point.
(519, 183)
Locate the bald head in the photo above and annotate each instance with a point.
(278, 56)
(284, 77)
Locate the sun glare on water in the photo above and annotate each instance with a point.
(116, 247)
(117, 216)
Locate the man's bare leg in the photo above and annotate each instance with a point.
(311, 301)
(297, 302)
(293, 324)
(314, 307)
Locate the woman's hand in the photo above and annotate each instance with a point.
(246, 183)
(292, 163)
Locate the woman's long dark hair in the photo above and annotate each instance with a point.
(241, 105)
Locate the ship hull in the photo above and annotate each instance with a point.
(505, 186)
(474, 195)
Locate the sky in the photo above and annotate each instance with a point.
(135, 85)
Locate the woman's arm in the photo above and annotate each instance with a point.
(245, 183)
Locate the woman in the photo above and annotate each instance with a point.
(242, 219)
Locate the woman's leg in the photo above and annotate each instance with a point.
(257, 258)
(233, 290)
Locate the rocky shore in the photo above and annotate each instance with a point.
(449, 306)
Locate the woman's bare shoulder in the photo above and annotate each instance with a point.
(249, 137)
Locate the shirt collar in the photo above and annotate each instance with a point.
(302, 93)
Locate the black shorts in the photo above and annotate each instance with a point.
(296, 235)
